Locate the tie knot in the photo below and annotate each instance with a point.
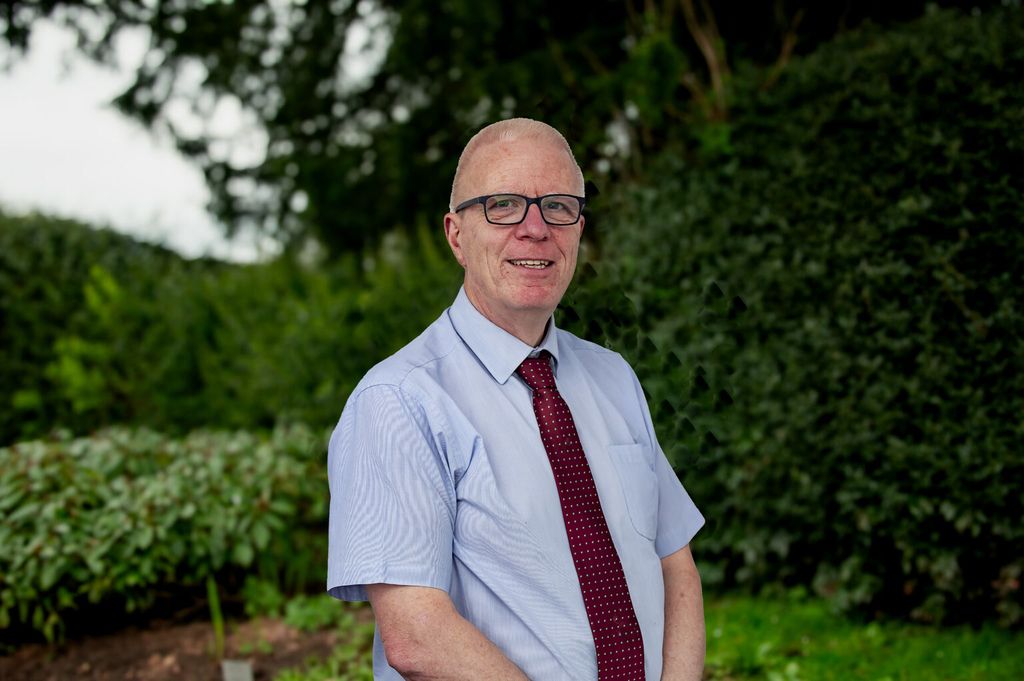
(536, 371)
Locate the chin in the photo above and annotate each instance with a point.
(536, 299)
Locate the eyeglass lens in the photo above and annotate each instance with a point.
(556, 209)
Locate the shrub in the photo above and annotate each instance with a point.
(865, 214)
(110, 517)
(47, 267)
(133, 334)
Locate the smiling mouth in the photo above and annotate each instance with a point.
(533, 264)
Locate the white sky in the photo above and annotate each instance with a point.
(65, 151)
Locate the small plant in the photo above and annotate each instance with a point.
(351, 661)
(262, 646)
(216, 617)
(314, 613)
(262, 598)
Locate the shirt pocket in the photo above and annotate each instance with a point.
(639, 486)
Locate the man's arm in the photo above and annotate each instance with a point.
(424, 637)
(684, 646)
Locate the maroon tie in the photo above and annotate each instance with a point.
(620, 646)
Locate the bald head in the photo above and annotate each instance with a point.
(510, 130)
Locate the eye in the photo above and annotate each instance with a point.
(504, 205)
(561, 208)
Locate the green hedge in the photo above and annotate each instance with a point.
(109, 518)
(101, 330)
(858, 427)
(45, 266)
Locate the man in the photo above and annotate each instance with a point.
(497, 490)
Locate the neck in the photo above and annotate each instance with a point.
(526, 325)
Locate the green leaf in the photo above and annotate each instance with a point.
(242, 554)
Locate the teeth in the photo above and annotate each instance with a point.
(536, 264)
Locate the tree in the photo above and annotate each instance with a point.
(351, 157)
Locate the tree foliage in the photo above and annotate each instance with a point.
(350, 158)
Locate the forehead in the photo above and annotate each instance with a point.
(524, 166)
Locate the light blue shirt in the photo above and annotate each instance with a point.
(439, 478)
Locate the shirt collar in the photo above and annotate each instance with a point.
(496, 348)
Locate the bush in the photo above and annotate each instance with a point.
(865, 215)
(108, 518)
(47, 267)
(132, 334)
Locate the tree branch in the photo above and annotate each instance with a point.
(705, 34)
(788, 43)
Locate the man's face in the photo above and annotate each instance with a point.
(505, 289)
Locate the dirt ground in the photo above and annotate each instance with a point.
(168, 651)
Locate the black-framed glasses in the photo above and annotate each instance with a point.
(511, 209)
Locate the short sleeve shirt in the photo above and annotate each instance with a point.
(438, 478)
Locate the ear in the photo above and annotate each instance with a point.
(453, 233)
(582, 222)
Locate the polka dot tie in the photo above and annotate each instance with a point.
(620, 646)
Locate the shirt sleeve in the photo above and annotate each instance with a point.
(392, 507)
(678, 517)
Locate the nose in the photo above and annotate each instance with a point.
(533, 225)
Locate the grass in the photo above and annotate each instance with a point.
(802, 640)
(776, 639)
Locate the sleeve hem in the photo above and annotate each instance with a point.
(353, 587)
(667, 545)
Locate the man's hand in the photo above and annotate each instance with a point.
(424, 637)
(684, 647)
